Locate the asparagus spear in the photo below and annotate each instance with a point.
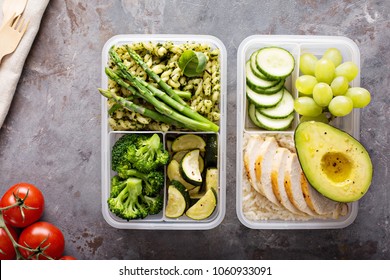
(155, 77)
(160, 106)
(138, 109)
(137, 82)
(183, 94)
(118, 106)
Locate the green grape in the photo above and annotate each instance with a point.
(340, 106)
(320, 118)
(322, 94)
(348, 69)
(307, 63)
(305, 84)
(334, 55)
(360, 96)
(306, 106)
(324, 70)
(339, 85)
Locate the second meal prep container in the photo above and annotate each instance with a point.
(296, 45)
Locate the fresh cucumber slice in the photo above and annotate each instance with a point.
(282, 110)
(204, 207)
(272, 89)
(264, 100)
(254, 66)
(173, 173)
(252, 114)
(178, 200)
(189, 168)
(188, 142)
(275, 62)
(255, 82)
(274, 124)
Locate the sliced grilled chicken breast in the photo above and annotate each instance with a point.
(252, 152)
(275, 173)
(319, 203)
(263, 168)
(292, 184)
(281, 156)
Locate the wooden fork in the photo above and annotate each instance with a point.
(11, 34)
(11, 9)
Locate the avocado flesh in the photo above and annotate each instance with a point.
(334, 162)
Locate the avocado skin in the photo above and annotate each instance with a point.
(335, 164)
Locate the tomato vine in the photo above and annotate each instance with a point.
(21, 207)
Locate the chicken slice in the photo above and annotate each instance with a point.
(251, 153)
(281, 156)
(263, 168)
(292, 184)
(319, 203)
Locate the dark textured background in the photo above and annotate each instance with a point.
(51, 136)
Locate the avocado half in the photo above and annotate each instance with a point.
(334, 162)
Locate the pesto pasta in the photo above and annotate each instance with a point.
(162, 58)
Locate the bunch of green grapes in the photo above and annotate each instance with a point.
(324, 86)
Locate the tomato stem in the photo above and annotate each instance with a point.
(39, 251)
(16, 245)
(9, 206)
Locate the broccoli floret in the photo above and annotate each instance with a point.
(117, 186)
(128, 199)
(149, 155)
(122, 150)
(138, 151)
(153, 182)
(155, 204)
(128, 202)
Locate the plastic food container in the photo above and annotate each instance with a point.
(296, 45)
(109, 137)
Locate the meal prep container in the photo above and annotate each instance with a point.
(296, 45)
(109, 137)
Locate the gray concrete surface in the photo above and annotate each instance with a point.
(51, 136)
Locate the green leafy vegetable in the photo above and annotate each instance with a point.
(192, 63)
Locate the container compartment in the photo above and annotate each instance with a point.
(170, 138)
(296, 45)
(349, 51)
(113, 137)
(294, 49)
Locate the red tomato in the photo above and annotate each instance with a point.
(31, 206)
(45, 238)
(7, 250)
(68, 258)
